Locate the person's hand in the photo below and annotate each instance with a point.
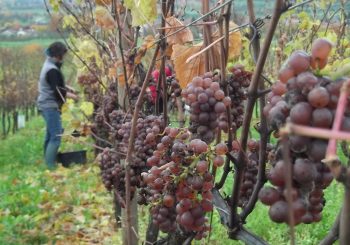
(72, 96)
(70, 89)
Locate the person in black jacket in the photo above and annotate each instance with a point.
(52, 95)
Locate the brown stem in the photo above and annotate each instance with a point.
(131, 144)
(206, 31)
(333, 234)
(263, 131)
(163, 47)
(344, 223)
(249, 238)
(252, 96)
(122, 56)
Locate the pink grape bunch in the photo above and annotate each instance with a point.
(251, 172)
(148, 129)
(179, 182)
(208, 105)
(302, 98)
(238, 83)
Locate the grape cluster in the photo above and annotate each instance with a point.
(180, 183)
(100, 129)
(251, 172)
(238, 82)
(305, 99)
(134, 93)
(208, 106)
(113, 175)
(148, 130)
(174, 88)
(112, 170)
(87, 79)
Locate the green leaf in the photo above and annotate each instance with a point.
(142, 11)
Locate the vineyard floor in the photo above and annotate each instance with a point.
(71, 206)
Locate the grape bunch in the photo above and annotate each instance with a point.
(305, 99)
(112, 169)
(113, 175)
(174, 88)
(180, 183)
(116, 119)
(87, 80)
(238, 83)
(251, 172)
(208, 106)
(148, 131)
(134, 93)
(100, 129)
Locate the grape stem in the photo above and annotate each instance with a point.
(117, 19)
(252, 96)
(333, 234)
(131, 144)
(339, 115)
(263, 131)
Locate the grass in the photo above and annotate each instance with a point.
(67, 206)
(71, 206)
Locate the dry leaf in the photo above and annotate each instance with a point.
(195, 67)
(235, 42)
(181, 37)
(185, 72)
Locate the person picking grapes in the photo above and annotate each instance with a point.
(52, 95)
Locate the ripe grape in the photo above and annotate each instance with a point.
(321, 48)
(269, 195)
(301, 113)
(299, 61)
(318, 97)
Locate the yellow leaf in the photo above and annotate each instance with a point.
(87, 108)
(142, 11)
(75, 123)
(103, 18)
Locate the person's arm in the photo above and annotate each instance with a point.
(72, 96)
(55, 79)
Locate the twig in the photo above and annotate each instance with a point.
(85, 29)
(252, 96)
(75, 53)
(263, 131)
(122, 56)
(189, 59)
(333, 234)
(299, 4)
(198, 24)
(200, 18)
(132, 141)
(344, 223)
